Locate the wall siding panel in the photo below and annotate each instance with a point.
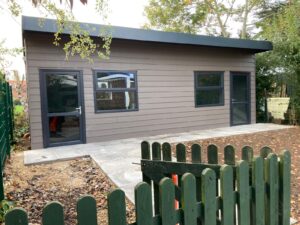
(165, 75)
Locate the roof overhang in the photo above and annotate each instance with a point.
(36, 24)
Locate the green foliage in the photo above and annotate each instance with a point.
(201, 16)
(5, 206)
(21, 123)
(281, 25)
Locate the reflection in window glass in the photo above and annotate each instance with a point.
(115, 90)
(209, 88)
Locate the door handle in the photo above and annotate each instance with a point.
(79, 110)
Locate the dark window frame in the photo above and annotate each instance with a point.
(220, 87)
(96, 89)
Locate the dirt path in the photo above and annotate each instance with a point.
(33, 186)
(278, 140)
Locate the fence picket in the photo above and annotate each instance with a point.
(272, 195)
(143, 204)
(145, 148)
(247, 153)
(196, 153)
(188, 187)
(208, 180)
(166, 151)
(16, 216)
(244, 195)
(258, 202)
(87, 211)
(116, 208)
(265, 151)
(180, 153)
(229, 155)
(167, 198)
(53, 214)
(196, 158)
(285, 187)
(212, 154)
(156, 155)
(227, 195)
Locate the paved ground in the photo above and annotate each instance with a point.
(117, 158)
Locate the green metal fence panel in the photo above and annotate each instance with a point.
(6, 128)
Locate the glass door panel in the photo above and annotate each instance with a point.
(240, 98)
(62, 108)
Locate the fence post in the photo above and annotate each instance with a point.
(16, 216)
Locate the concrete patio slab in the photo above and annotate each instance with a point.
(117, 158)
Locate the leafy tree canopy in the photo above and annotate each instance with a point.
(79, 41)
(213, 17)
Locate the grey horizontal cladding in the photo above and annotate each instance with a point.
(125, 33)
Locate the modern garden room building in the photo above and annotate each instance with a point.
(153, 83)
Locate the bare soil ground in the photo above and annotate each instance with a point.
(278, 140)
(32, 187)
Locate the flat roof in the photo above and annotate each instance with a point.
(134, 34)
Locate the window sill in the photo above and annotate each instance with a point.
(115, 111)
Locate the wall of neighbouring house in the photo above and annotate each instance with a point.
(165, 75)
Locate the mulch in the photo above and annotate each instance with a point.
(32, 187)
(277, 140)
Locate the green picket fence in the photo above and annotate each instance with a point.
(255, 190)
(6, 127)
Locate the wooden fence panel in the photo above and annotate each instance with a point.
(53, 214)
(258, 184)
(167, 198)
(244, 195)
(166, 151)
(87, 211)
(212, 154)
(272, 195)
(196, 158)
(143, 204)
(116, 208)
(209, 197)
(156, 155)
(229, 155)
(188, 195)
(227, 195)
(196, 153)
(17, 216)
(285, 187)
(247, 153)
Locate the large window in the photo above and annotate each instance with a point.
(115, 91)
(209, 89)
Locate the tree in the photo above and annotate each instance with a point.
(280, 23)
(78, 43)
(212, 17)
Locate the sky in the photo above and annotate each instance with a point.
(128, 13)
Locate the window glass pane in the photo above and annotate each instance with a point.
(209, 97)
(210, 79)
(115, 80)
(64, 128)
(240, 91)
(116, 100)
(62, 93)
(239, 113)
